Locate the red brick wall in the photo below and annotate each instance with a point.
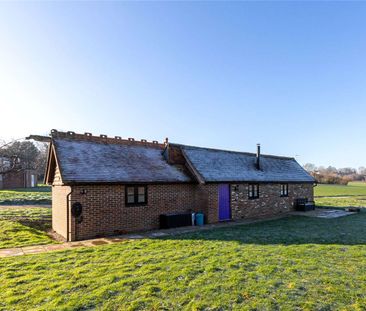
(105, 213)
(207, 200)
(17, 179)
(13, 179)
(174, 155)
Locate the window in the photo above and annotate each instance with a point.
(136, 195)
(253, 191)
(130, 195)
(284, 190)
(141, 196)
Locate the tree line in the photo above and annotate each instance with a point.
(333, 175)
(25, 154)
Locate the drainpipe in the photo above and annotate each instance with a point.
(68, 215)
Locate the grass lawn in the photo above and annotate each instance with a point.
(37, 195)
(297, 263)
(353, 201)
(352, 189)
(14, 234)
(24, 227)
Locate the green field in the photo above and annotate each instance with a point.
(37, 195)
(297, 263)
(24, 227)
(352, 195)
(352, 189)
(342, 202)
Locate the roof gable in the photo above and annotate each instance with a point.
(50, 166)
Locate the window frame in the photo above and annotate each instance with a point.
(136, 195)
(283, 190)
(252, 189)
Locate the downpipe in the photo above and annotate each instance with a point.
(68, 215)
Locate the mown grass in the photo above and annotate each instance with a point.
(14, 234)
(298, 263)
(24, 227)
(37, 195)
(30, 214)
(342, 202)
(352, 189)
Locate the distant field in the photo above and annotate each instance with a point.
(352, 189)
(341, 202)
(37, 195)
(352, 195)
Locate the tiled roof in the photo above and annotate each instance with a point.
(228, 166)
(98, 162)
(86, 159)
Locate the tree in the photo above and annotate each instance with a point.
(25, 155)
(310, 167)
(331, 170)
(25, 151)
(362, 170)
(347, 171)
(41, 160)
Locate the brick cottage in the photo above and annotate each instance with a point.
(105, 186)
(13, 175)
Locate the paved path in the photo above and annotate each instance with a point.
(36, 249)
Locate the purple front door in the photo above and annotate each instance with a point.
(224, 202)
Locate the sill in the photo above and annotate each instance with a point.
(284, 196)
(253, 198)
(135, 204)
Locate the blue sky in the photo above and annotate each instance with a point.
(291, 76)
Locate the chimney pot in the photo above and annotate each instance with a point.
(258, 157)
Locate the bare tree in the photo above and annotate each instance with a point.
(310, 167)
(23, 155)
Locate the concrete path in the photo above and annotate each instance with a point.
(37, 249)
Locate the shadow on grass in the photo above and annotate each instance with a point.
(25, 202)
(348, 230)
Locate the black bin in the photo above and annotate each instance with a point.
(175, 220)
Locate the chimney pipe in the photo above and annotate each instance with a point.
(258, 156)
